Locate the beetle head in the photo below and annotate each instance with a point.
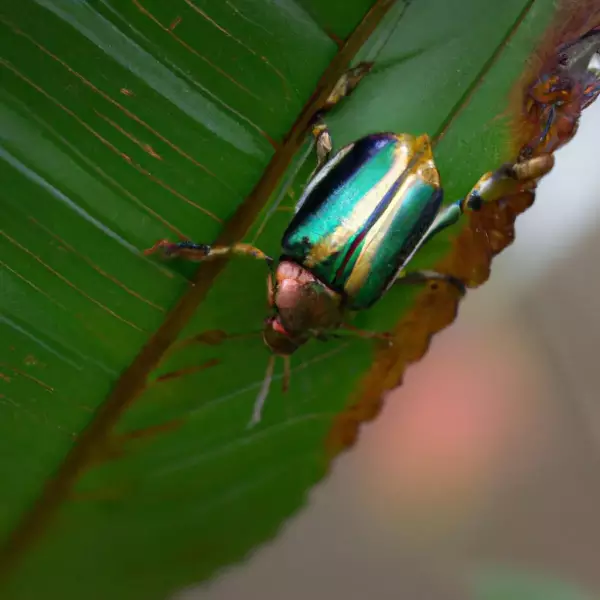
(278, 339)
(298, 311)
(301, 304)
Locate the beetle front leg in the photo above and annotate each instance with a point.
(201, 252)
(323, 145)
(344, 86)
(509, 179)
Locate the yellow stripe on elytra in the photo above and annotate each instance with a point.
(424, 169)
(373, 239)
(407, 149)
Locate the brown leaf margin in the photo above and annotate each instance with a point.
(485, 235)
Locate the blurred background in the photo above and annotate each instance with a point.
(481, 476)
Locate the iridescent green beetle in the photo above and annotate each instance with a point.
(362, 217)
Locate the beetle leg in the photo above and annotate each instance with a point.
(323, 145)
(448, 216)
(430, 277)
(509, 179)
(346, 84)
(201, 252)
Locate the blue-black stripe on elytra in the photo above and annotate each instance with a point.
(383, 204)
(343, 171)
(392, 255)
(421, 226)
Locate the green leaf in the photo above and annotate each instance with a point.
(128, 468)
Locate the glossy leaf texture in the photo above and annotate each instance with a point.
(129, 471)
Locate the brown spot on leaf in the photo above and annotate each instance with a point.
(211, 337)
(116, 446)
(151, 432)
(213, 362)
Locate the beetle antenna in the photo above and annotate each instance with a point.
(287, 373)
(262, 395)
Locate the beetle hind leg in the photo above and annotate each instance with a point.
(323, 145)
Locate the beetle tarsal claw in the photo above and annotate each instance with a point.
(158, 246)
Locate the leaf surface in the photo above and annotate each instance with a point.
(124, 440)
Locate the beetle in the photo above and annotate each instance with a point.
(364, 213)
